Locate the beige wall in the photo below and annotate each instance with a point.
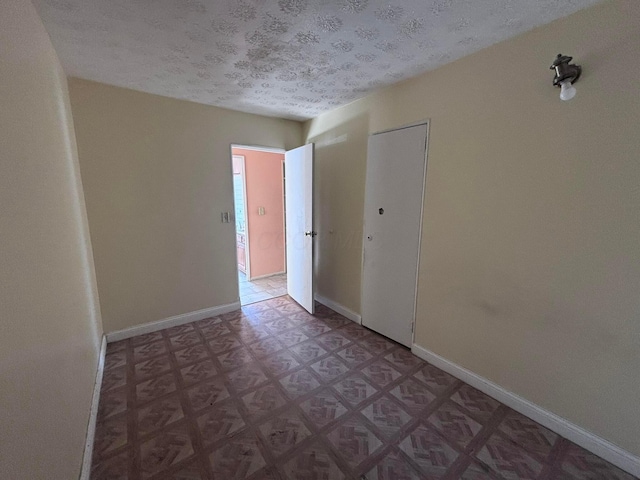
(530, 259)
(157, 174)
(49, 319)
(340, 159)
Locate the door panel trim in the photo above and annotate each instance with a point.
(426, 122)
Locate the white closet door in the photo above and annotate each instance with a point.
(396, 166)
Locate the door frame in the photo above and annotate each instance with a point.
(243, 176)
(231, 155)
(427, 122)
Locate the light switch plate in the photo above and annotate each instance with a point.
(261, 211)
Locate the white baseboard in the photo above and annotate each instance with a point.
(85, 472)
(341, 309)
(171, 322)
(578, 435)
(260, 277)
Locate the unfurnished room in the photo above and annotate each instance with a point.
(319, 240)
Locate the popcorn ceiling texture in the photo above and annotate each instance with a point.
(287, 58)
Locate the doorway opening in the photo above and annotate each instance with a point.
(259, 207)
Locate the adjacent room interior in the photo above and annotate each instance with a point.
(171, 307)
(258, 195)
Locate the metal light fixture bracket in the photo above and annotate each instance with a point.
(564, 70)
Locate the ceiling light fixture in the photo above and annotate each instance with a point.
(566, 75)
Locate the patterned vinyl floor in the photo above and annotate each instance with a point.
(271, 392)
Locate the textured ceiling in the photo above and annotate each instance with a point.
(287, 58)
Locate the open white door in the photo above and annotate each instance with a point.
(298, 167)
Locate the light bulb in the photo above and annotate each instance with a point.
(567, 90)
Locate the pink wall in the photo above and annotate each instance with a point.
(266, 232)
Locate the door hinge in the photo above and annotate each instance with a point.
(412, 324)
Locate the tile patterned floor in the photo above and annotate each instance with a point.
(271, 392)
(262, 288)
